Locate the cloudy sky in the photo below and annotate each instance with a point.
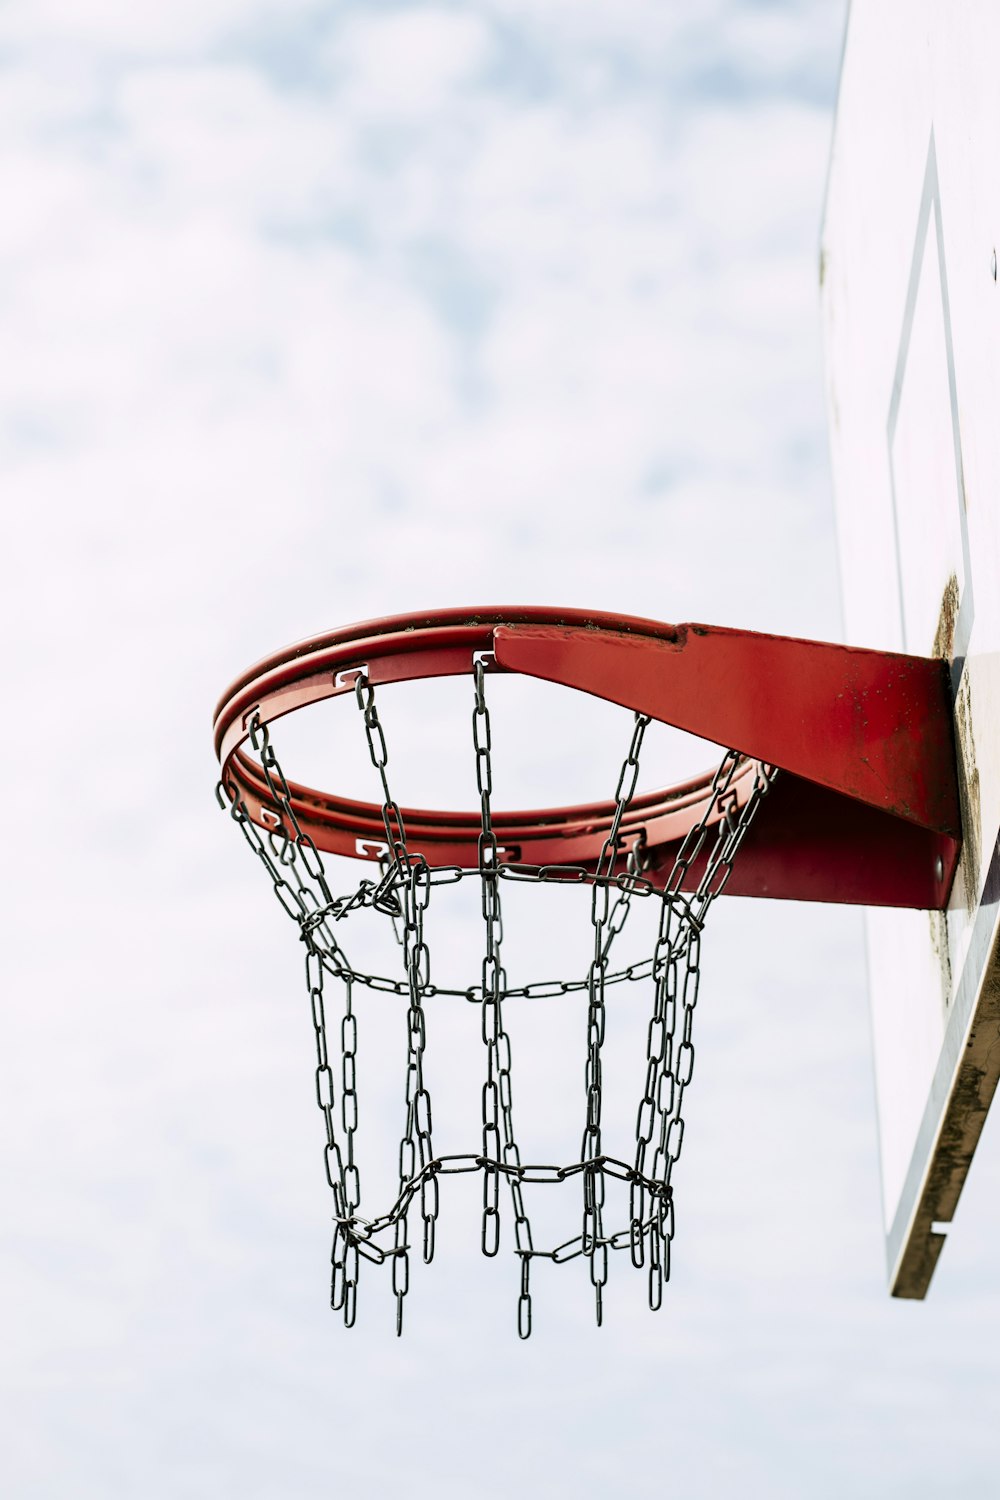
(313, 312)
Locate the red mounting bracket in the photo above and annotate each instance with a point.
(866, 809)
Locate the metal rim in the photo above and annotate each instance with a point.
(412, 647)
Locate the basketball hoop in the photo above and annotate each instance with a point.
(675, 847)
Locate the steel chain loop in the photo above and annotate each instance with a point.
(605, 923)
(295, 869)
(415, 1149)
(497, 1116)
(282, 855)
(669, 1048)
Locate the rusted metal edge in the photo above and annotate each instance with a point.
(960, 1096)
(872, 730)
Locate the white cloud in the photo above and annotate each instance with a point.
(407, 64)
(494, 303)
(104, 29)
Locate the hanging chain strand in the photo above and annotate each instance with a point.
(282, 855)
(604, 931)
(698, 875)
(341, 1170)
(497, 1113)
(415, 1149)
(677, 973)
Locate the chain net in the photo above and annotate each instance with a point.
(402, 893)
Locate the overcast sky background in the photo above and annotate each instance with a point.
(313, 312)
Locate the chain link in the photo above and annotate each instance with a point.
(604, 928)
(284, 852)
(669, 1045)
(415, 1148)
(702, 867)
(497, 1113)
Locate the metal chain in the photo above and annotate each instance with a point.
(415, 1148)
(497, 1112)
(382, 898)
(282, 856)
(349, 1103)
(297, 875)
(669, 1047)
(341, 1174)
(305, 848)
(604, 932)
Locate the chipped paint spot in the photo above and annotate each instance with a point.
(944, 636)
(971, 1096)
(938, 923)
(967, 876)
(969, 796)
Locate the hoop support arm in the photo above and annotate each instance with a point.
(866, 809)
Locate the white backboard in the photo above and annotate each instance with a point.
(911, 307)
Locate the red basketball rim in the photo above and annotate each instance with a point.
(409, 647)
